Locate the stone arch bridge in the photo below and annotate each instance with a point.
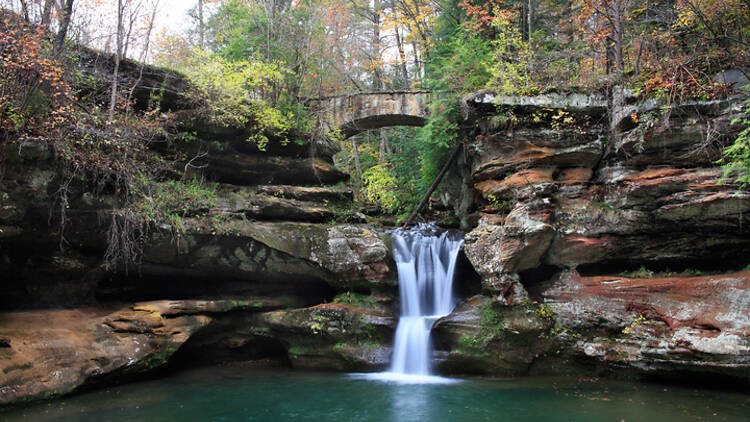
(354, 113)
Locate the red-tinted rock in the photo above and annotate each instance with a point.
(672, 323)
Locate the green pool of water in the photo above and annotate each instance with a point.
(237, 393)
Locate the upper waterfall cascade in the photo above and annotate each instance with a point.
(426, 263)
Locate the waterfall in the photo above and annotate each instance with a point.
(426, 262)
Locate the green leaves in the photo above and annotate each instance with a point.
(737, 155)
(232, 92)
(381, 188)
(510, 66)
(462, 64)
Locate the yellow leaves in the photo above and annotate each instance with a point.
(685, 18)
(233, 93)
(414, 19)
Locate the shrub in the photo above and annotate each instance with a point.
(232, 93)
(381, 188)
(737, 155)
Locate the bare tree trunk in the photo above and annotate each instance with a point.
(201, 30)
(385, 146)
(357, 165)
(62, 32)
(530, 16)
(378, 77)
(530, 19)
(417, 67)
(144, 55)
(47, 13)
(618, 7)
(134, 14)
(402, 58)
(25, 11)
(113, 93)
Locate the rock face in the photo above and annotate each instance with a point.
(220, 272)
(333, 335)
(59, 351)
(238, 276)
(698, 324)
(483, 336)
(591, 243)
(568, 210)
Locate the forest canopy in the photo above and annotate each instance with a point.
(257, 62)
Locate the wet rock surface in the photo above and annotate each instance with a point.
(553, 202)
(560, 223)
(56, 352)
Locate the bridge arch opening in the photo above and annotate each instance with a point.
(384, 120)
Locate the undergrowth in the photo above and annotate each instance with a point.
(358, 300)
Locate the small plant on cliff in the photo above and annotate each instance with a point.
(737, 155)
(35, 99)
(173, 200)
(640, 319)
(358, 300)
(642, 272)
(382, 188)
(492, 327)
(545, 312)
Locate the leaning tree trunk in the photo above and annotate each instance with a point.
(434, 185)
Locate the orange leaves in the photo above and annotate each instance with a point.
(482, 13)
(31, 82)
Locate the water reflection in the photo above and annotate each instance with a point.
(239, 394)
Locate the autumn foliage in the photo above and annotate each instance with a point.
(34, 96)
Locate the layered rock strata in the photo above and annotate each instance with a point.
(607, 233)
(237, 277)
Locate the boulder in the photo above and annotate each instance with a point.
(482, 336)
(332, 335)
(657, 324)
(55, 352)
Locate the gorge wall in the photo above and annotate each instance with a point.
(280, 268)
(624, 253)
(248, 273)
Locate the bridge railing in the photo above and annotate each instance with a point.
(363, 93)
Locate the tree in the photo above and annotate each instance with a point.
(47, 12)
(34, 97)
(62, 31)
(144, 54)
(118, 57)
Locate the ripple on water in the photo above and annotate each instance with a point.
(405, 378)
